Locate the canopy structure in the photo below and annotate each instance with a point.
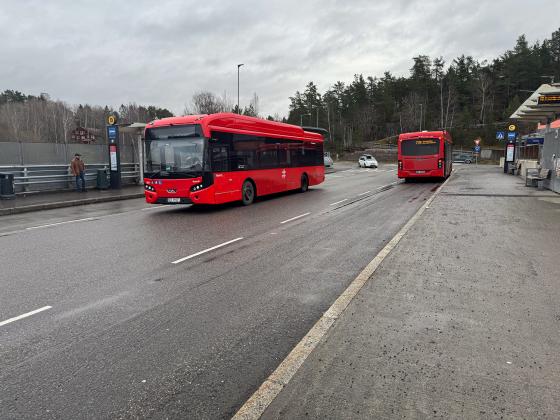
(543, 106)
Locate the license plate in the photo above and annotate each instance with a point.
(420, 172)
(174, 200)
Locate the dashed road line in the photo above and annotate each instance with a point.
(295, 218)
(188, 257)
(153, 207)
(364, 193)
(17, 318)
(87, 219)
(338, 202)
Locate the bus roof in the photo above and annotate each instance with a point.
(425, 134)
(241, 124)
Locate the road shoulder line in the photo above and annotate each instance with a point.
(256, 405)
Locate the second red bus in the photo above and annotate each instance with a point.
(425, 154)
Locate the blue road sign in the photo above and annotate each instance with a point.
(512, 135)
(112, 131)
(500, 135)
(477, 149)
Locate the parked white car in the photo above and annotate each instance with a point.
(367, 161)
(327, 159)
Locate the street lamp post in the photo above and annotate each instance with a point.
(301, 119)
(420, 117)
(238, 110)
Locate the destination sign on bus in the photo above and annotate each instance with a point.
(430, 141)
(549, 99)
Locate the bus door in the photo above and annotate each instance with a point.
(224, 187)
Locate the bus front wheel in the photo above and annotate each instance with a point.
(304, 183)
(247, 193)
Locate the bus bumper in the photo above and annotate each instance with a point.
(158, 194)
(434, 173)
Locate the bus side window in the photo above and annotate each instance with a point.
(219, 158)
(243, 152)
(296, 153)
(219, 151)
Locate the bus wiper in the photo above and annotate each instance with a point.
(158, 173)
(183, 136)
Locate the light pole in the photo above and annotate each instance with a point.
(420, 117)
(238, 110)
(301, 119)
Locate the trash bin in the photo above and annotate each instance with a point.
(102, 179)
(7, 186)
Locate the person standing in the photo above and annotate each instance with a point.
(78, 169)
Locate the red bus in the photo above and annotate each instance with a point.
(218, 158)
(425, 154)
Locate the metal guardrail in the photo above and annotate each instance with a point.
(53, 177)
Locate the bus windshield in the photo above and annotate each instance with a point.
(172, 151)
(420, 147)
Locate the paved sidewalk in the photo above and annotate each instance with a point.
(461, 320)
(53, 200)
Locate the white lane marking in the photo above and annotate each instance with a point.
(364, 193)
(188, 257)
(256, 405)
(87, 219)
(17, 318)
(338, 202)
(295, 218)
(153, 208)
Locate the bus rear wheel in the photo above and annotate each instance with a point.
(304, 183)
(247, 193)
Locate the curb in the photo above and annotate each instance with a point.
(70, 203)
(261, 399)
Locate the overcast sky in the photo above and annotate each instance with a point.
(161, 52)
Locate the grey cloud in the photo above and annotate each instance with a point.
(162, 52)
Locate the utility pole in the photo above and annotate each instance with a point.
(420, 117)
(238, 109)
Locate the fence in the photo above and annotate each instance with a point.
(17, 153)
(45, 166)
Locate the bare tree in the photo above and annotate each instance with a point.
(205, 102)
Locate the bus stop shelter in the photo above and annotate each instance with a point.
(543, 107)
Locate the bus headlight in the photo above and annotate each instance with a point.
(149, 188)
(197, 187)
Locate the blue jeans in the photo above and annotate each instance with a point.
(78, 177)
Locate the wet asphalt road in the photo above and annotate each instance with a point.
(131, 334)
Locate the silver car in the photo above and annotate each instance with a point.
(327, 159)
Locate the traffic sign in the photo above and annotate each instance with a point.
(500, 135)
(512, 135)
(477, 149)
(112, 118)
(512, 127)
